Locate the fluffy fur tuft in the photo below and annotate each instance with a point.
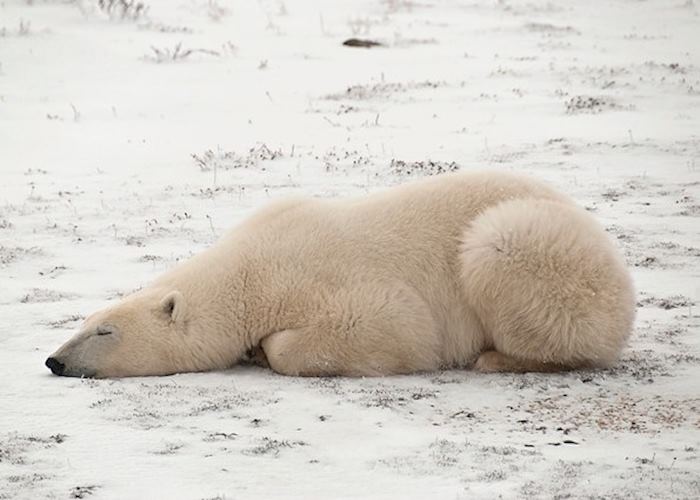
(547, 284)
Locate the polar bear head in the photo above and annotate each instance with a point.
(147, 333)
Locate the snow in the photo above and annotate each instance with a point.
(100, 193)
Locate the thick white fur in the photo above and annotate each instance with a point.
(426, 275)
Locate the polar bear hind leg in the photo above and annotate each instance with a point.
(370, 330)
(548, 285)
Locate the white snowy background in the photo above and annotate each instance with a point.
(131, 138)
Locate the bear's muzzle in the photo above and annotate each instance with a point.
(55, 366)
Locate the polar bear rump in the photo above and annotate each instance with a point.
(547, 283)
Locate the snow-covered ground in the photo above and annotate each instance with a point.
(132, 139)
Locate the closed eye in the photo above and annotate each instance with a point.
(103, 330)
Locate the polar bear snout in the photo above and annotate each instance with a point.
(55, 366)
(64, 367)
(76, 358)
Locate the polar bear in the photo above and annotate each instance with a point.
(490, 270)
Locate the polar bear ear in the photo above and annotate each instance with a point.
(173, 304)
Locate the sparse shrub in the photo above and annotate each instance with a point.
(420, 168)
(177, 53)
(123, 9)
(590, 104)
(228, 160)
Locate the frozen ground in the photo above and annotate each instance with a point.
(128, 142)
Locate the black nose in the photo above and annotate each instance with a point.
(55, 366)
